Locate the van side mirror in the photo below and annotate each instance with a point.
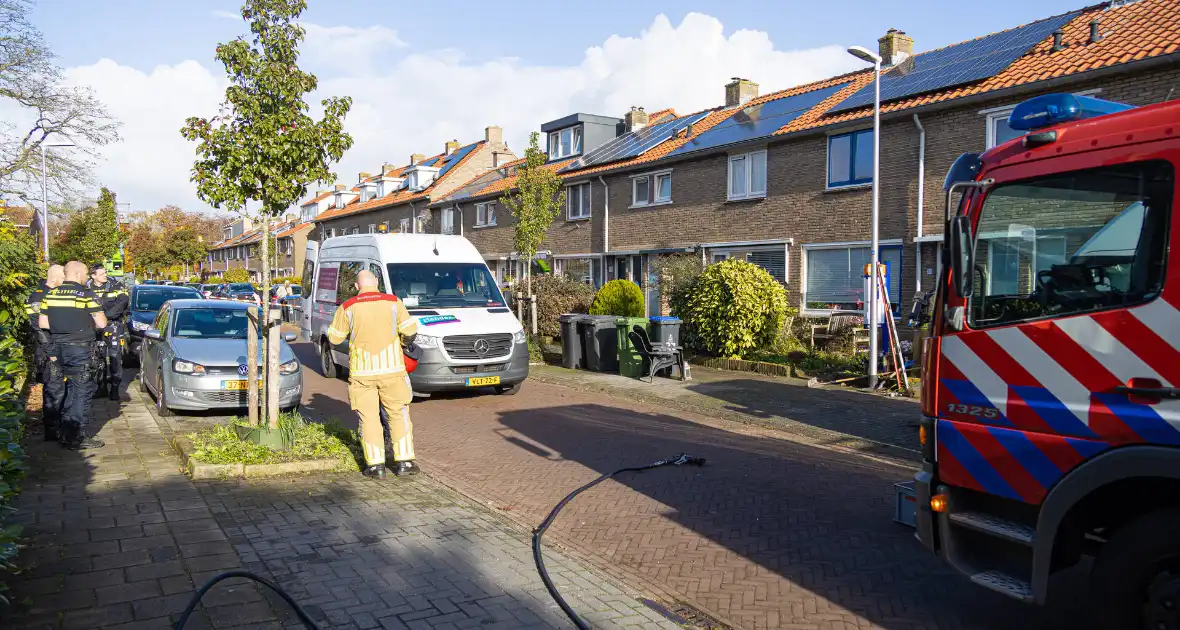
(962, 256)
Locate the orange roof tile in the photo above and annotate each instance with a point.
(294, 229)
(400, 196)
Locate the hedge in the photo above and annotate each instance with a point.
(557, 295)
(618, 297)
(733, 308)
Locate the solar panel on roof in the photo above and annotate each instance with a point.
(456, 157)
(632, 144)
(958, 64)
(758, 121)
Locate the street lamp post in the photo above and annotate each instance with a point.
(45, 200)
(873, 314)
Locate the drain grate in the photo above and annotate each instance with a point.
(684, 615)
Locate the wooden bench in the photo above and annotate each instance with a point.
(841, 325)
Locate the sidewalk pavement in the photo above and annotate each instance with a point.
(835, 418)
(119, 538)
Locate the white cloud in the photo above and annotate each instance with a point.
(416, 101)
(227, 15)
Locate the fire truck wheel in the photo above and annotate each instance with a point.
(1135, 582)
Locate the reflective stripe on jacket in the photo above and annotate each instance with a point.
(374, 324)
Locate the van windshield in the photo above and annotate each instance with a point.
(444, 285)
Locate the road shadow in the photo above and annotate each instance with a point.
(812, 521)
(876, 418)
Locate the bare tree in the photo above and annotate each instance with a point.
(40, 109)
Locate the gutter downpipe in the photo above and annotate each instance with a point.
(413, 219)
(921, 204)
(605, 226)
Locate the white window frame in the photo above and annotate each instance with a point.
(653, 186)
(447, 218)
(587, 198)
(488, 211)
(992, 114)
(750, 192)
(372, 228)
(805, 248)
(722, 251)
(575, 132)
(404, 225)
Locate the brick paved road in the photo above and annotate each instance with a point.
(771, 534)
(119, 539)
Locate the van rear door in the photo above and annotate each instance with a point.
(310, 258)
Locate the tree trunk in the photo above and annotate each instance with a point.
(252, 365)
(271, 357)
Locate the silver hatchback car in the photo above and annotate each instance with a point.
(194, 358)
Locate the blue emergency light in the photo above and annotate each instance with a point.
(1052, 109)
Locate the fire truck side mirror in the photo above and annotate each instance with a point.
(962, 256)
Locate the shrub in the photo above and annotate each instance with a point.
(194, 279)
(235, 275)
(622, 298)
(19, 271)
(676, 271)
(732, 308)
(557, 295)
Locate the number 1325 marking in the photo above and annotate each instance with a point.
(977, 411)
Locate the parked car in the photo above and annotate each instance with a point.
(194, 285)
(241, 291)
(145, 302)
(194, 358)
(208, 289)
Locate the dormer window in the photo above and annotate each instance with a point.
(565, 142)
(388, 185)
(421, 177)
(368, 191)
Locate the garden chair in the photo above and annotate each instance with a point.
(656, 358)
(841, 325)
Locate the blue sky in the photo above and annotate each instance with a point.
(421, 73)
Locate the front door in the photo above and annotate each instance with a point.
(1068, 306)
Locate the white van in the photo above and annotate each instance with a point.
(468, 336)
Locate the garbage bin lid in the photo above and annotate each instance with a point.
(664, 318)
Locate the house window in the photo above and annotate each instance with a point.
(577, 269)
(747, 175)
(332, 233)
(850, 159)
(448, 221)
(356, 230)
(835, 276)
(651, 188)
(577, 198)
(772, 258)
(372, 228)
(403, 226)
(485, 214)
(565, 142)
(998, 131)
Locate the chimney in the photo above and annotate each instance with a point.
(415, 158)
(635, 119)
(362, 176)
(493, 135)
(895, 47)
(341, 187)
(450, 147)
(1095, 36)
(1057, 36)
(385, 168)
(740, 91)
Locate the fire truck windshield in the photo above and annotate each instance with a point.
(1071, 243)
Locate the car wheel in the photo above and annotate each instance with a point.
(162, 399)
(143, 386)
(327, 363)
(1135, 581)
(505, 390)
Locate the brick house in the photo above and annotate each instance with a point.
(784, 179)
(397, 199)
(241, 248)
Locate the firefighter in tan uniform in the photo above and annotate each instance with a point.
(377, 327)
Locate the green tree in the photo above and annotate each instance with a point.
(185, 246)
(92, 234)
(536, 202)
(264, 147)
(237, 274)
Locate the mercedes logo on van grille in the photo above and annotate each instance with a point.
(480, 346)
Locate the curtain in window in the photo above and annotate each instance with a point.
(835, 276)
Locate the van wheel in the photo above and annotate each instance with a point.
(327, 363)
(508, 391)
(1135, 582)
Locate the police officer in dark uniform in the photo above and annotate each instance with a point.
(115, 305)
(45, 359)
(72, 315)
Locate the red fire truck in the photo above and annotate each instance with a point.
(1050, 424)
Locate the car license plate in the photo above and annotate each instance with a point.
(238, 385)
(483, 381)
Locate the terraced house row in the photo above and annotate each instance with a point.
(780, 179)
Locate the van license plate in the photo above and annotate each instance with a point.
(483, 381)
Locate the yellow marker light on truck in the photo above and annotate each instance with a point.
(938, 503)
(922, 436)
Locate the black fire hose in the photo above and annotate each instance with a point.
(677, 460)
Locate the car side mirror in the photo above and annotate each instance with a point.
(153, 333)
(962, 256)
(290, 337)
